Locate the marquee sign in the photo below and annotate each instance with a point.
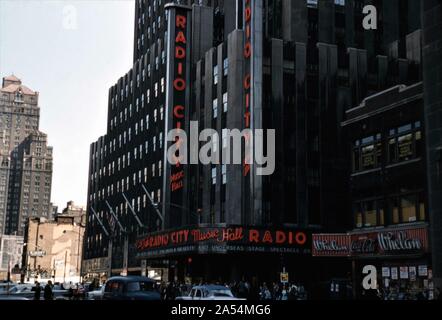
(225, 239)
(177, 87)
(377, 243)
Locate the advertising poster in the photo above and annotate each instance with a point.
(386, 272)
(412, 271)
(394, 273)
(423, 271)
(404, 272)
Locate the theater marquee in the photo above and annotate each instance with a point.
(226, 239)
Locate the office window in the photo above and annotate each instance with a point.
(225, 101)
(215, 75)
(367, 153)
(215, 108)
(405, 143)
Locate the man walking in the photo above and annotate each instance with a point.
(37, 291)
(48, 294)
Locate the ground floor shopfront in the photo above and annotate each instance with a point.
(226, 254)
(400, 255)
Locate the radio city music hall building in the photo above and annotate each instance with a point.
(292, 66)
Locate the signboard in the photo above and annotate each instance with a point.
(386, 272)
(35, 254)
(404, 272)
(284, 277)
(388, 242)
(394, 274)
(337, 245)
(223, 239)
(423, 271)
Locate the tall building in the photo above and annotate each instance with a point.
(26, 158)
(432, 58)
(293, 66)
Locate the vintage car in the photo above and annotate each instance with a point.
(131, 288)
(210, 292)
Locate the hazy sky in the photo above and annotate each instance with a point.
(71, 52)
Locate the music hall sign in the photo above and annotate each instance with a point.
(221, 240)
(386, 242)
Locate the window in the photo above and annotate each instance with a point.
(367, 153)
(405, 143)
(368, 213)
(215, 75)
(225, 100)
(226, 67)
(215, 108)
(214, 176)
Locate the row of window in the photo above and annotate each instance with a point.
(395, 210)
(125, 160)
(137, 178)
(402, 144)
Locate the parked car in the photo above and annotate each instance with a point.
(28, 290)
(96, 294)
(13, 298)
(21, 291)
(210, 292)
(130, 288)
(4, 287)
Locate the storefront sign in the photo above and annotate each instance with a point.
(386, 242)
(223, 240)
(35, 254)
(331, 245)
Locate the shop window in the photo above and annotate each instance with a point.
(408, 208)
(370, 214)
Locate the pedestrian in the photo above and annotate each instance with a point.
(48, 293)
(37, 291)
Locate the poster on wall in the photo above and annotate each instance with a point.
(404, 272)
(387, 283)
(394, 273)
(412, 271)
(386, 272)
(423, 271)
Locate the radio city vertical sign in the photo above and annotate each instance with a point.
(177, 97)
(247, 83)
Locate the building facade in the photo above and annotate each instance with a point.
(11, 250)
(292, 66)
(432, 57)
(74, 211)
(52, 250)
(26, 158)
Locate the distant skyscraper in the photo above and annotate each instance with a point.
(26, 159)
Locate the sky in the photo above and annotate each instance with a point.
(71, 52)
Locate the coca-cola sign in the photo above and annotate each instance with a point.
(383, 242)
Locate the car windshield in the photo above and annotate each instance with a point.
(140, 286)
